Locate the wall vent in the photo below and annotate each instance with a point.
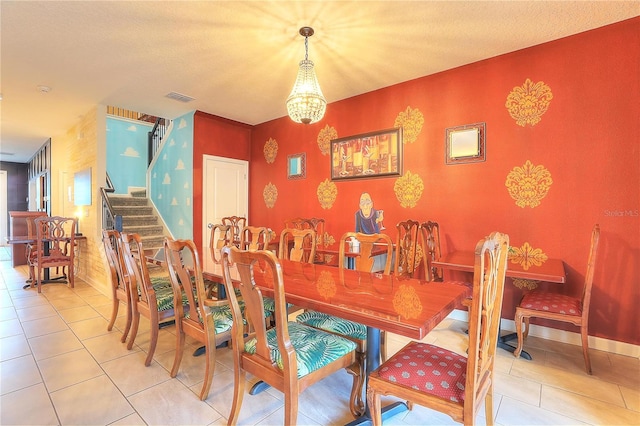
(179, 97)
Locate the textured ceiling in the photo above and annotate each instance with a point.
(238, 59)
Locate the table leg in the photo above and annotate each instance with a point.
(373, 362)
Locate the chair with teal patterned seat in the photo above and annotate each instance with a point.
(119, 286)
(349, 329)
(443, 380)
(237, 224)
(289, 357)
(204, 319)
(298, 245)
(150, 297)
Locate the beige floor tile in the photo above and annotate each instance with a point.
(18, 373)
(54, 344)
(623, 370)
(157, 405)
(586, 409)
(512, 412)
(28, 302)
(92, 402)
(68, 369)
(72, 301)
(579, 383)
(89, 328)
(78, 314)
(86, 292)
(166, 341)
(108, 347)
(5, 299)
(14, 347)
(36, 312)
(58, 290)
(98, 300)
(517, 388)
(10, 328)
(192, 368)
(28, 406)
(631, 397)
(131, 376)
(130, 420)
(44, 326)
(8, 313)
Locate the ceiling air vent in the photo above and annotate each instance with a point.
(179, 97)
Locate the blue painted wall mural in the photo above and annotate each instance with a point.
(171, 182)
(127, 153)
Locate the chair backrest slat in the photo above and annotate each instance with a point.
(430, 242)
(304, 245)
(364, 260)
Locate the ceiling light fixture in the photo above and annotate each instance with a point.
(306, 104)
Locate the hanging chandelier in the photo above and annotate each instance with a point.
(306, 104)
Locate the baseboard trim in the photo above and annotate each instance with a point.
(598, 343)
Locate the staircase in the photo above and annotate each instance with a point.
(139, 217)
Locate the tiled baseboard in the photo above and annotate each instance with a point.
(598, 343)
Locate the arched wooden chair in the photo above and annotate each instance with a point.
(30, 248)
(254, 238)
(561, 307)
(406, 248)
(298, 245)
(237, 224)
(430, 242)
(289, 357)
(151, 298)
(354, 331)
(119, 287)
(221, 235)
(314, 223)
(206, 320)
(443, 380)
(54, 235)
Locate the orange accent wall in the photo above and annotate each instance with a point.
(218, 136)
(588, 140)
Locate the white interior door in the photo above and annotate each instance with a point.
(3, 207)
(225, 191)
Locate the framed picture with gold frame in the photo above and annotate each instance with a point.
(368, 155)
(465, 144)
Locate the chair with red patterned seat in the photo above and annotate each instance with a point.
(561, 307)
(443, 380)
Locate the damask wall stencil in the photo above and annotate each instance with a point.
(327, 193)
(528, 184)
(270, 195)
(527, 103)
(270, 150)
(408, 189)
(324, 139)
(523, 284)
(527, 256)
(411, 121)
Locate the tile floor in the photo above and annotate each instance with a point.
(60, 366)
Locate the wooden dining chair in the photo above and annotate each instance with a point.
(237, 224)
(221, 235)
(298, 245)
(54, 235)
(443, 380)
(354, 331)
(206, 320)
(150, 297)
(254, 238)
(406, 248)
(119, 288)
(30, 248)
(553, 305)
(429, 235)
(290, 357)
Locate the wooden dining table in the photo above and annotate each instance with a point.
(549, 270)
(405, 306)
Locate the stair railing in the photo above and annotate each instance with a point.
(109, 219)
(155, 137)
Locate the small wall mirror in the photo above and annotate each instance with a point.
(297, 166)
(465, 144)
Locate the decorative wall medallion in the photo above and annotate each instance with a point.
(406, 302)
(527, 103)
(526, 256)
(327, 193)
(324, 139)
(408, 189)
(528, 184)
(326, 285)
(270, 150)
(270, 194)
(411, 121)
(523, 284)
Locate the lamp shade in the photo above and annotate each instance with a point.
(306, 103)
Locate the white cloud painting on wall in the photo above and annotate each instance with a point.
(130, 152)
